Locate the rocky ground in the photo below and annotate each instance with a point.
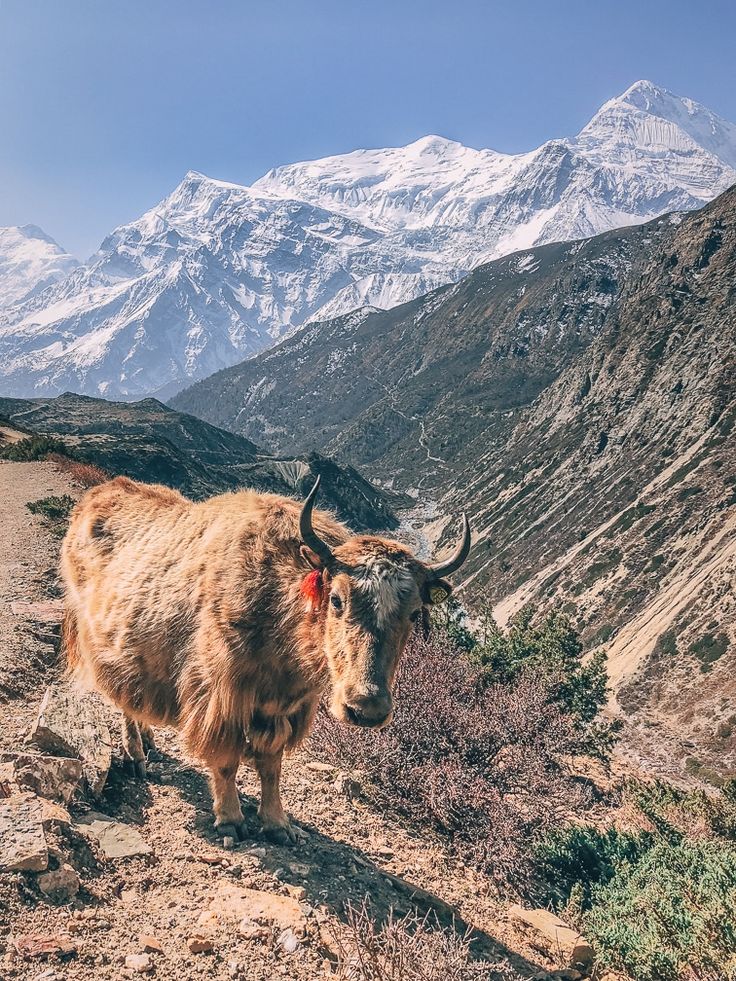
(135, 881)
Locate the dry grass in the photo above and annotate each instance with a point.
(85, 474)
(411, 948)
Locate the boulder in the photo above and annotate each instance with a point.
(23, 845)
(113, 838)
(72, 723)
(52, 777)
(563, 938)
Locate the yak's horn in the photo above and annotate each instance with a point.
(446, 568)
(309, 536)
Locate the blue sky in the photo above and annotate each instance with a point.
(105, 104)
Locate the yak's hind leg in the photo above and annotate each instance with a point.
(134, 756)
(229, 819)
(275, 823)
(147, 737)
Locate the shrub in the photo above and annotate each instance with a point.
(572, 860)
(484, 764)
(412, 948)
(657, 904)
(669, 916)
(54, 511)
(33, 448)
(86, 474)
(708, 649)
(551, 649)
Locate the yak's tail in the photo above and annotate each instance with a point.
(70, 641)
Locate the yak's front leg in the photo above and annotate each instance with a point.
(229, 820)
(276, 825)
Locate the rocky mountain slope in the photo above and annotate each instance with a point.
(29, 262)
(217, 272)
(151, 442)
(579, 402)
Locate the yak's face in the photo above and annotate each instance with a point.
(374, 599)
(371, 592)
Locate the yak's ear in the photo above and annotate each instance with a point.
(311, 558)
(436, 591)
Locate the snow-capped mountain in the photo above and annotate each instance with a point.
(217, 272)
(29, 261)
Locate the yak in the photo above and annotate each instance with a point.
(229, 619)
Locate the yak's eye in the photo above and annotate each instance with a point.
(415, 615)
(336, 601)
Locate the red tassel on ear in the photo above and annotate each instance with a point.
(312, 589)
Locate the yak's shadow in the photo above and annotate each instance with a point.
(337, 875)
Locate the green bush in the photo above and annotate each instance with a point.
(33, 448)
(572, 861)
(551, 648)
(670, 915)
(655, 904)
(54, 512)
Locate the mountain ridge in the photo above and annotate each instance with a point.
(217, 272)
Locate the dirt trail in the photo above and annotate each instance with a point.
(190, 885)
(28, 556)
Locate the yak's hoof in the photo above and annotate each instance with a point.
(135, 769)
(280, 834)
(230, 829)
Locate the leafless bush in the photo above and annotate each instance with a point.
(86, 474)
(484, 765)
(412, 948)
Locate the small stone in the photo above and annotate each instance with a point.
(140, 963)
(297, 892)
(249, 930)
(208, 921)
(228, 843)
(299, 868)
(288, 942)
(562, 937)
(32, 945)
(257, 852)
(348, 785)
(47, 611)
(150, 944)
(199, 945)
(115, 839)
(60, 886)
(52, 777)
(23, 845)
(316, 766)
(53, 814)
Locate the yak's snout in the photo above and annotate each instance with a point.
(369, 710)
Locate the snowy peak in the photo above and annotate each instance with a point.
(30, 260)
(216, 272)
(653, 120)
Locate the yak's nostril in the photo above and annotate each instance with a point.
(366, 718)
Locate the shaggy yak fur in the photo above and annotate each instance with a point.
(217, 618)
